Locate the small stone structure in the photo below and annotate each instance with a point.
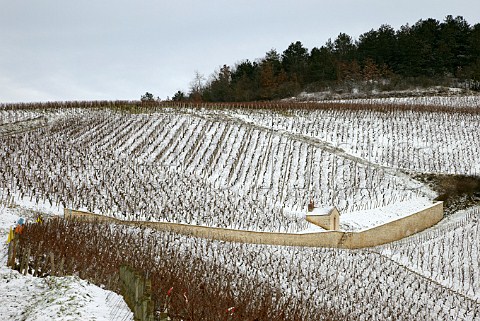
(327, 217)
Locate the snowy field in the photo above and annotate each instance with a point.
(257, 170)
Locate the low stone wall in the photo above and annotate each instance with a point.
(396, 230)
(386, 233)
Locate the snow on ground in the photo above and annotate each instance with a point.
(53, 298)
(366, 219)
(42, 206)
(312, 228)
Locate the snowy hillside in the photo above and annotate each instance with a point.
(253, 169)
(236, 169)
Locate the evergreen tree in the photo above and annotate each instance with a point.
(147, 97)
(378, 45)
(321, 65)
(179, 96)
(244, 81)
(273, 57)
(472, 71)
(219, 88)
(344, 48)
(453, 46)
(295, 61)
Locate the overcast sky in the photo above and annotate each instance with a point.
(99, 49)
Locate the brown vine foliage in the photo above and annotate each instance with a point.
(139, 106)
(201, 291)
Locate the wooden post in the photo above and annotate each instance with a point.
(9, 253)
(52, 264)
(137, 293)
(26, 261)
(21, 259)
(60, 271)
(14, 253)
(149, 306)
(36, 266)
(45, 266)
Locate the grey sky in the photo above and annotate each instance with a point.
(99, 49)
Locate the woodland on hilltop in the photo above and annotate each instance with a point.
(427, 53)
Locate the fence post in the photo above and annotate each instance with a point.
(14, 253)
(10, 252)
(45, 265)
(137, 293)
(60, 268)
(36, 265)
(26, 260)
(149, 304)
(52, 264)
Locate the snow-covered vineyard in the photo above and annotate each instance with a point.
(379, 284)
(251, 170)
(454, 101)
(392, 282)
(257, 170)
